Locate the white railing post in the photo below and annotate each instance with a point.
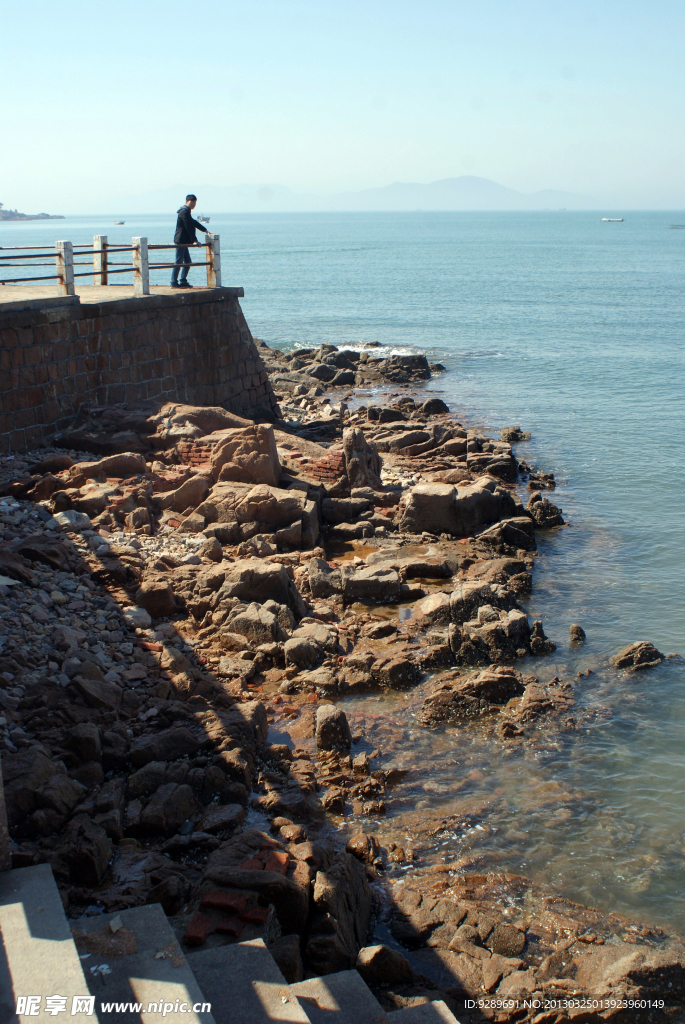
(65, 267)
(213, 261)
(141, 267)
(100, 259)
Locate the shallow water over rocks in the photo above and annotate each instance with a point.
(548, 807)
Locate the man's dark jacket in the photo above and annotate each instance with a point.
(185, 227)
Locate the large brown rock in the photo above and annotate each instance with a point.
(500, 634)
(332, 728)
(208, 418)
(234, 765)
(94, 498)
(370, 583)
(469, 596)
(86, 850)
(324, 580)
(16, 567)
(471, 696)
(430, 508)
(164, 746)
(340, 919)
(641, 654)
(289, 893)
(85, 741)
(481, 503)
(222, 820)
(156, 597)
(239, 511)
(249, 456)
(425, 920)
(396, 672)
(190, 494)
(434, 609)
(50, 551)
(272, 506)
(169, 808)
(343, 510)
(381, 965)
(302, 651)
(258, 624)
(60, 794)
(95, 689)
(23, 774)
(545, 514)
(118, 466)
(363, 464)
(255, 579)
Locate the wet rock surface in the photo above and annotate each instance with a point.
(190, 603)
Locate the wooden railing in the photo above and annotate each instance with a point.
(66, 256)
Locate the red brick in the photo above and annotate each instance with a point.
(255, 915)
(277, 861)
(231, 902)
(199, 928)
(229, 925)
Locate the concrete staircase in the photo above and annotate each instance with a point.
(134, 957)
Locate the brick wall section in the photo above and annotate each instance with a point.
(326, 470)
(55, 354)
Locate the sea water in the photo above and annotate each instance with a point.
(573, 329)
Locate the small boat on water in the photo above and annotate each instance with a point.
(203, 220)
(118, 222)
(676, 225)
(613, 220)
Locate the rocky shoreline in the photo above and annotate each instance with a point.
(189, 599)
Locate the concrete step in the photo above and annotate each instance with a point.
(437, 1012)
(342, 998)
(38, 956)
(133, 957)
(244, 985)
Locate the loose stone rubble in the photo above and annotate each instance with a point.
(175, 582)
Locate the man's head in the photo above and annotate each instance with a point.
(191, 201)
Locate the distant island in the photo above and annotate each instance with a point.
(15, 215)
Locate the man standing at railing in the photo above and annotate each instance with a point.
(185, 235)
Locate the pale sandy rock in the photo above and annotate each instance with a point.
(363, 464)
(430, 508)
(189, 495)
(248, 456)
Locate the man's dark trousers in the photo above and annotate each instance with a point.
(183, 262)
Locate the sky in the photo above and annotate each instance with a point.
(105, 100)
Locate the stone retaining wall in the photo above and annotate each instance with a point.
(56, 354)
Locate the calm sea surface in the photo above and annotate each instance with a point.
(575, 330)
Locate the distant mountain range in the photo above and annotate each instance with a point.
(464, 193)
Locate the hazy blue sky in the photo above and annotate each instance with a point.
(107, 99)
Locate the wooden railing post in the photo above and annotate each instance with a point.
(141, 267)
(65, 267)
(213, 261)
(100, 259)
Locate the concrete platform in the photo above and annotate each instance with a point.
(87, 293)
(38, 955)
(140, 962)
(243, 983)
(342, 998)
